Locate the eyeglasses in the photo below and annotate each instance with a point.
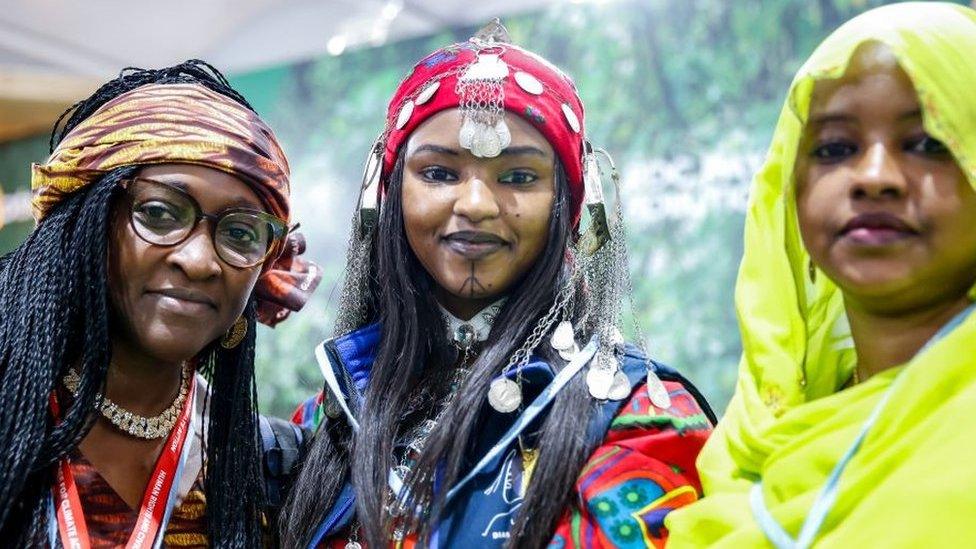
(164, 215)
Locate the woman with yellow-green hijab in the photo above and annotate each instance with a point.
(857, 387)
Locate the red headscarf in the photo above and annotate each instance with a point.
(534, 89)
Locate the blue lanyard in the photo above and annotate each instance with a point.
(775, 532)
(538, 405)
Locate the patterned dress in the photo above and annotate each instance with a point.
(111, 521)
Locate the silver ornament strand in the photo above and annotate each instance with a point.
(608, 273)
(149, 428)
(355, 284)
(505, 395)
(482, 98)
(655, 387)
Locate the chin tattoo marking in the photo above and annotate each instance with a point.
(472, 287)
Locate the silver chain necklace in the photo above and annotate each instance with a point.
(149, 428)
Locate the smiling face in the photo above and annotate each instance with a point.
(884, 209)
(172, 301)
(477, 225)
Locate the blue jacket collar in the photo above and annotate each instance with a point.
(357, 352)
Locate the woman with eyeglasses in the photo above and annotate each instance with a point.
(128, 413)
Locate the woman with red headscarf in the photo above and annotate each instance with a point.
(478, 392)
(128, 412)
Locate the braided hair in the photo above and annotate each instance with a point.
(56, 313)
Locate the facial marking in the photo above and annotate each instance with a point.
(476, 225)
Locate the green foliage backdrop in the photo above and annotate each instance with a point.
(683, 93)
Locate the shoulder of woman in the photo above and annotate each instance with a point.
(684, 416)
(687, 400)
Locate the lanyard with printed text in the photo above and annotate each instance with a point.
(156, 501)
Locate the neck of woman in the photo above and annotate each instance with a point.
(140, 383)
(884, 339)
(463, 308)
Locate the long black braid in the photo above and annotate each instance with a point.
(55, 312)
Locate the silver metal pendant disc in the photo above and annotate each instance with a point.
(562, 337)
(486, 143)
(405, 112)
(569, 354)
(656, 391)
(466, 134)
(571, 118)
(528, 83)
(504, 134)
(504, 395)
(620, 389)
(428, 92)
(599, 382)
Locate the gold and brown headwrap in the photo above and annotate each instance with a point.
(186, 124)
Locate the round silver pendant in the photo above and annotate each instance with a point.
(405, 112)
(571, 118)
(428, 92)
(466, 133)
(599, 382)
(562, 337)
(620, 388)
(657, 392)
(504, 395)
(528, 83)
(569, 354)
(353, 545)
(504, 134)
(486, 143)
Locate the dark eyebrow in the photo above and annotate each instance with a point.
(524, 150)
(510, 151)
(841, 117)
(436, 149)
(828, 117)
(239, 202)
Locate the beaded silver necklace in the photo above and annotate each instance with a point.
(149, 428)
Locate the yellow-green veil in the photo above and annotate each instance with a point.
(914, 479)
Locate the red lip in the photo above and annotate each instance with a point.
(877, 229)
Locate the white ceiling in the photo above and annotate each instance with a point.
(97, 37)
(53, 52)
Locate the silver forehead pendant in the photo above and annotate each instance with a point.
(504, 395)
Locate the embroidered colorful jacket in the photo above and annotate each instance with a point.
(643, 469)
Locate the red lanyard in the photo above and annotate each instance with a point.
(67, 503)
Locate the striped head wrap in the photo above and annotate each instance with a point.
(186, 124)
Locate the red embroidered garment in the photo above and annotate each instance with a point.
(644, 469)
